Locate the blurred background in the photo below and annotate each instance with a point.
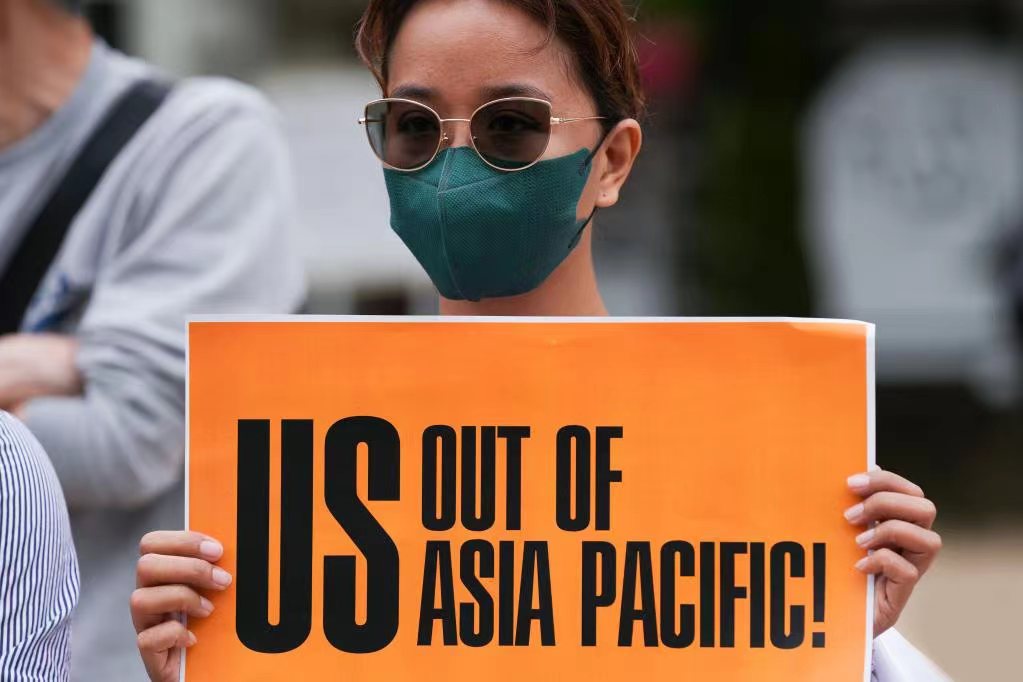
(838, 158)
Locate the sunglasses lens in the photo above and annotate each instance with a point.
(512, 134)
(404, 135)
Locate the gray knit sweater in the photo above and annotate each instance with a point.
(195, 216)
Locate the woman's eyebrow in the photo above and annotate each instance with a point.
(414, 92)
(492, 92)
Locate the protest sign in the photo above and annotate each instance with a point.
(596, 499)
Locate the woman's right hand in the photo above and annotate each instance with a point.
(174, 568)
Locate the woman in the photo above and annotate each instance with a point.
(505, 128)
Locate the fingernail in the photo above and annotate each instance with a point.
(861, 564)
(865, 537)
(191, 638)
(858, 481)
(854, 512)
(211, 549)
(221, 577)
(205, 606)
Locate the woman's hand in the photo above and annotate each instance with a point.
(174, 567)
(898, 519)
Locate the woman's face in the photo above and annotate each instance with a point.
(456, 55)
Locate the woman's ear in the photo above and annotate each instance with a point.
(619, 151)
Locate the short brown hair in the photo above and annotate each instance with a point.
(597, 32)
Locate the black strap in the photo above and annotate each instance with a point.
(46, 233)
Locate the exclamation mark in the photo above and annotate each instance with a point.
(819, 567)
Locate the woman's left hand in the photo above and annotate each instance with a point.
(898, 521)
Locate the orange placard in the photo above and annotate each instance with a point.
(428, 499)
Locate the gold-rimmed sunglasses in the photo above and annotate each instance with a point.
(509, 134)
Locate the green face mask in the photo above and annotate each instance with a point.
(480, 233)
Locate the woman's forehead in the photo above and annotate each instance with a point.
(476, 50)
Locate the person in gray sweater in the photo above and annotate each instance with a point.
(194, 216)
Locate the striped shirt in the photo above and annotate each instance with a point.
(38, 568)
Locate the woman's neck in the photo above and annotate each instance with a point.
(571, 291)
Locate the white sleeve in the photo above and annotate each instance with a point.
(896, 660)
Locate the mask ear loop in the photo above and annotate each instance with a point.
(582, 171)
(582, 228)
(589, 159)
